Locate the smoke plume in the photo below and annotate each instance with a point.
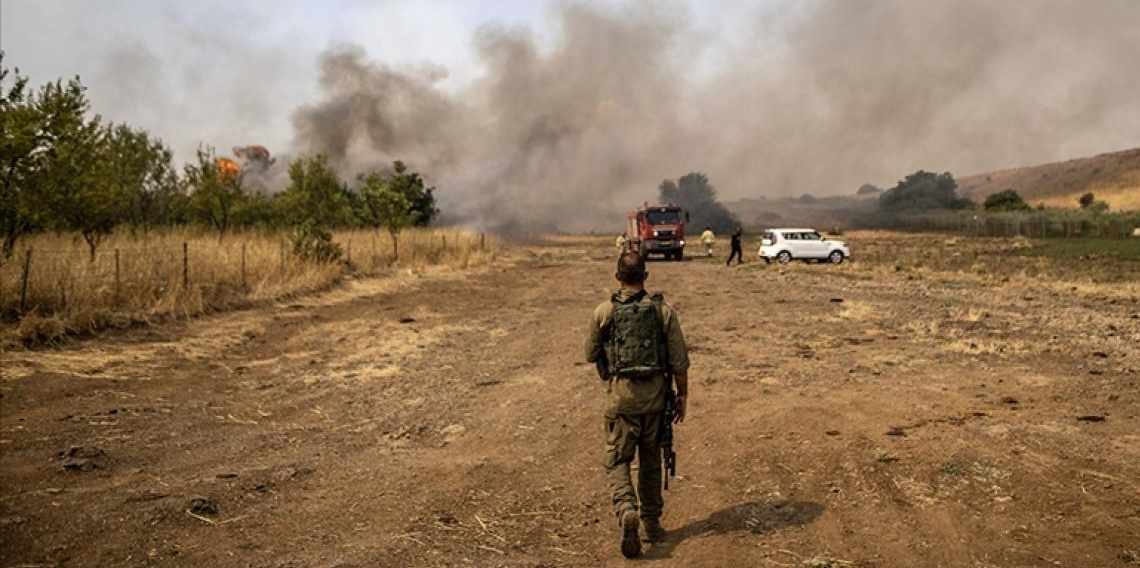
(817, 97)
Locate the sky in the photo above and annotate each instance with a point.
(516, 107)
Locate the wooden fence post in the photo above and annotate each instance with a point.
(243, 286)
(24, 279)
(118, 287)
(482, 241)
(185, 266)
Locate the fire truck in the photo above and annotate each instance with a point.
(657, 229)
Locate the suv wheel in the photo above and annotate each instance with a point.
(784, 257)
(836, 257)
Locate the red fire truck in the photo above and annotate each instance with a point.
(657, 229)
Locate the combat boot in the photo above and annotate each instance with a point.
(654, 532)
(630, 542)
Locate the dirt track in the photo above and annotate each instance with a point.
(914, 423)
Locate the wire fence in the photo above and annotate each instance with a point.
(181, 274)
(1034, 224)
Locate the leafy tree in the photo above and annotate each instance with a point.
(215, 196)
(1008, 200)
(868, 189)
(384, 206)
(695, 194)
(142, 169)
(73, 179)
(421, 199)
(1086, 200)
(922, 191)
(315, 194)
(42, 136)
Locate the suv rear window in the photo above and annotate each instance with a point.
(792, 236)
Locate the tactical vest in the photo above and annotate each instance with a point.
(635, 346)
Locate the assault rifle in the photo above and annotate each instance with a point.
(668, 456)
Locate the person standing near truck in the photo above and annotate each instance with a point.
(622, 244)
(707, 239)
(737, 251)
(635, 340)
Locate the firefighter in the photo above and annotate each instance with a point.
(622, 244)
(707, 239)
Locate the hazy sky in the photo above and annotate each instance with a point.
(562, 102)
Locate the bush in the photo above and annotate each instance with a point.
(314, 243)
(1008, 200)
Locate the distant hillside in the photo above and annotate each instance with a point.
(1114, 178)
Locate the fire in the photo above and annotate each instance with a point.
(228, 169)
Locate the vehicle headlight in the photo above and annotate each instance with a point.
(682, 242)
(655, 233)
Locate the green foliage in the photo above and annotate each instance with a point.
(868, 189)
(51, 153)
(215, 199)
(314, 243)
(421, 199)
(1086, 200)
(924, 191)
(698, 197)
(65, 171)
(315, 195)
(142, 170)
(1008, 200)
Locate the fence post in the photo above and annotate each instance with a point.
(243, 266)
(24, 279)
(482, 241)
(117, 280)
(185, 266)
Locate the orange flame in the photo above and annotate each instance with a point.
(228, 169)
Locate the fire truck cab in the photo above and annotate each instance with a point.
(657, 229)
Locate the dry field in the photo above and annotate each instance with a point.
(936, 402)
(154, 277)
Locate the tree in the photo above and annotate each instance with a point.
(215, 194)
(142, 169)
(1086, 200)
(74, 180)
(868, 189)
(37, 149)
(1008, 200)
(698, 197)
(923, 191)
(384, 206)
(315, 194)
(421, 199)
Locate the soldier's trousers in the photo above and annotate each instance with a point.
(627, 436)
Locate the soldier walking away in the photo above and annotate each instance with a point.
(707, 239)
(635, 340)
(736, 250)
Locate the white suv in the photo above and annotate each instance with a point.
(784, 245)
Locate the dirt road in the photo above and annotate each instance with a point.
(447, 418)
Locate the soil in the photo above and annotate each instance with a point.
(443, 418)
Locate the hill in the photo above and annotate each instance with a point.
(1112, 177)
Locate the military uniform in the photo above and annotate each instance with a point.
(633, 413)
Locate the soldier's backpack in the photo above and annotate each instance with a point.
(635, 346)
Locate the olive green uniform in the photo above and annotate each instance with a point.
(633, 412)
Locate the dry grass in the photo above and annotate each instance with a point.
(140, 279)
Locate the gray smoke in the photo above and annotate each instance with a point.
(820, 98)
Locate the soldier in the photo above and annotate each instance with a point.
(622, 244)
(636, 342)
(707, 239)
